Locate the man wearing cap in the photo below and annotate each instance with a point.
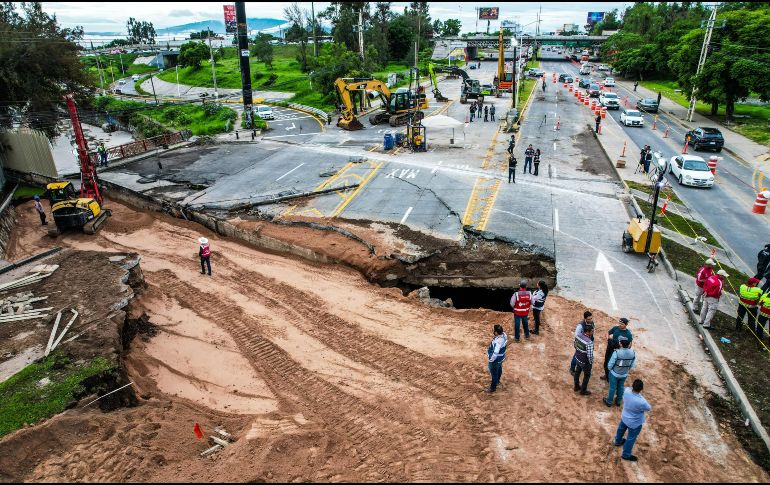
(204, 251)
(700, 279)
(586, 322)
(621, 362)
(749, 299)
(584, 354)
(763, 259)
(613, 342)
(521, 302)
(40, 210)
(496, 355)
(713, 291)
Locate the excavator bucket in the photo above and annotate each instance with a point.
(350, 125)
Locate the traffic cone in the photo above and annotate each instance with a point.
(760, 204)
(654, 122)
(713, 159)
(623, 153)
(558, 123)
(684, 150)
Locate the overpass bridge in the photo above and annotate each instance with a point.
(445, 45)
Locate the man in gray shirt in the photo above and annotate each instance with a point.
(632, 419)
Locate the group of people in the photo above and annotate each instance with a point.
(487, 111)
(531, 158)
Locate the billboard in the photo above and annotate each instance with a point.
(231, 27)
(595, 17)
(489, 13)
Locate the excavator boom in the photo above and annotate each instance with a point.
(436, 92)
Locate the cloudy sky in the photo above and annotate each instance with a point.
(111, 17)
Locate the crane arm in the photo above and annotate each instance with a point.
(454, 70)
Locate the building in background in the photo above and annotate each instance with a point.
(570, 28)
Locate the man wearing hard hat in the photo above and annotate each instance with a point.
(204, 251)
(713, 291)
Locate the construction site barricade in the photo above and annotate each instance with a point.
(141, 146)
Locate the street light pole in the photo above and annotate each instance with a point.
(177, 80)
(213, 68)
(702, 60)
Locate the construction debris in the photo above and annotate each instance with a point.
(19, 307)
(219, 442)
(38, 273)
(51, 346)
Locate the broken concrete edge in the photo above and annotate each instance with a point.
(666, 263)
(528, 247)
(323, 227)
(277, 198)
(726, 373)
(7, 202)
(30, 259)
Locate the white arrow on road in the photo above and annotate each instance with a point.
(603, 265)
(291, 127)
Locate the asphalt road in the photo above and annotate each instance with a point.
(726, 207)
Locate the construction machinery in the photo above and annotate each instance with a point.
(398, 107)
(504, 79)
(436, 92)
(470, 89)
(71, 210)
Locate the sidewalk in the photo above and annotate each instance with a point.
(735, 143)
(165, 88)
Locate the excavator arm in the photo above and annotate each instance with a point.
(436, 92)
(344, 86)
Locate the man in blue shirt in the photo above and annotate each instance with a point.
(632, 419)
(496, 355)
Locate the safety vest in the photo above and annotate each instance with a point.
(703, 273)
(581, 348)
(764, 305)
(523, 303)
(491, 349)
(624, 359)
(205, 250)
(101, 149)
(750, 295)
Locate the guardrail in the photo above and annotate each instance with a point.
(318, 113)
(141, 146)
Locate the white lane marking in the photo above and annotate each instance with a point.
(283, 136)
(553, 169)
(290, 171)
(556, 219)
(408, 211)
(291, 127)
(554, 146)
(603, 265)
(437, 167)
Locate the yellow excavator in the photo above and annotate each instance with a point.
(398, 107)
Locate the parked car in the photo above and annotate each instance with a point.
(122, 82)
(648, 105)
(535, 72)
(593, 91)
(610, 100)
(631, 117)
(701, 137)
(265, 112)
(135, 77)
(585, 82)
(691, 170)
(609, 82)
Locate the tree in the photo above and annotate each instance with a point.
(298, 32)
(451, 28)
(39, 64)
(609, 22)
(140, 32)
(192, 54)
(263, 49)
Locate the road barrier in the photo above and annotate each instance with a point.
(760, 204)
(141, 146)
(318, 113)
(713, 159)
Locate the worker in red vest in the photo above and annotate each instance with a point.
(521, 302)
(713, 291)
(204, 251)
(700, 279)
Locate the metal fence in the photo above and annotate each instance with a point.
(141, 146)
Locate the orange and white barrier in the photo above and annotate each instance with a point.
(760, 204)
(713, 159)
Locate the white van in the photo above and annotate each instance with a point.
(585, 69)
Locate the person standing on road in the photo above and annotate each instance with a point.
(536, 162)
(40, 210)
(538, 303)
(544, 84)
(598, 121)
(764, 315)
(636, 83)
(512, 144)
(621, 363)
(586, 322)
(529, 153)
(486, 113)
(492, 112)
(632, 419)
(512, 168)
(766, 276)
(763, 258)
(700, 279)
(204, 251)
(659, 96)
(473, 110)
(647, 159)
(642, 156)
(496, 356)
(613, 342)
(713, 290)
(521, 302)
(749, 296)
(584, 355)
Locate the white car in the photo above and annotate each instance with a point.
(609, 100)
(265, 112)
(609, 82)
(631, 117)
(135, 77)
(691, 170)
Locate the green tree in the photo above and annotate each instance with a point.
(263, 49)
(609, 22)
(299, 31)
(39, 64)
(140, 32)
(192, 54)
(451, 28)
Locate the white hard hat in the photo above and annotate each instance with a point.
(203, 240)
(710, 261)
(722, 272)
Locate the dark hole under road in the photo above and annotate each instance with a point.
(470, 297)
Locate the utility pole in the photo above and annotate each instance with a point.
(417, 40)
(658, 184)
(122, 69)
(315, 40)
(243, 55)
(702, 60)
(477, 21)
(213, 68)
(360, 27)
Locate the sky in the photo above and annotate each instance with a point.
(112, 16)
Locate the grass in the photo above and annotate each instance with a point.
(647, 189)
(27, 191)
(678, 223)
(527, 83)
(24, 400)
(688, 261)
(755, 127)
(110, 65)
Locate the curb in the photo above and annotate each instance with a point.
(726, 373)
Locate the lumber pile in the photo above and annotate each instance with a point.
(19, 307)
(37, 273)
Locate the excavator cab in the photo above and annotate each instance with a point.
(70, 211)
(59, 191)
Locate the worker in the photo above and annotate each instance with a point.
(766, 276)
(538, 304)
(764, 315)
(647, 159)
(512, 144)
(598, 121)
(584, 355)
(536, 161)
(512, 168)
(486, 113)
(102, 151)
(529, 154)
(636, 84)
(642, 156)
(631, 419)
(496, 355)
(659, 96)
(621, 362)
(586, 322)
(473, 110)
(492, 113)
(763, 258)
(700, 279)
(204, 251)
(521, 302)
(613, 342)
(544, 84)
(749, 295)
(40, 210)
(713, 291)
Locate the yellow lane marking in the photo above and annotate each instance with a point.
(358, 189)
(490, 150)
(288, 211)
(442, 109)
(471, 202)
(480, 202)
(334, 177)
(490, 202)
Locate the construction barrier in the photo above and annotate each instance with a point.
(570, 88)
(586, 102)
(604, 113)
(655, 122)
(713, 159)
(760, 204)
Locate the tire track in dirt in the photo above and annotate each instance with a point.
(380, 442)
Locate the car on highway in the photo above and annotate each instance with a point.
(536, 72)
(563, 76)
(609, 82)
(609, 100)
(647, 105)
(135, 77)
(602, 67)
(703, 137)
(585, 69)
(631, 117)
(593, 91)
(586, 81)
(691, 170)
(265, 112)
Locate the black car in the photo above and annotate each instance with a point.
(563, 76)
(569, 80)
(586, 82)
(593, 91)
(701, 137)
(647, 105)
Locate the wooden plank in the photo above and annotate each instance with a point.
(69, 324)
(53, 333)
(211, 450)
